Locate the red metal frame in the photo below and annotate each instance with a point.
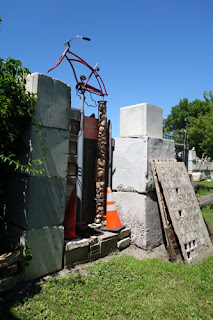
(85, 86)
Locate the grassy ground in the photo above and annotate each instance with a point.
(205, 183)
(202, 192)
(208, 215)
(123, 288)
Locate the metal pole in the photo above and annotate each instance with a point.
(80, 160)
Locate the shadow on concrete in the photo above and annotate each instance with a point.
(17, 296)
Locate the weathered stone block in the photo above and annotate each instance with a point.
(131, 162)
(46, 246)
(56, 145)
(141, 120)
(39, 202)
(124, 233)
(76, 255)
(54, 102)
(140, 213)
(124, 243)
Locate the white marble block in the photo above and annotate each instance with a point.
(131, 162)
(141, 120)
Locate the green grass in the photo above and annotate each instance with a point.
(202, 192)
(208, 215)
(205, 183)
(123, 288)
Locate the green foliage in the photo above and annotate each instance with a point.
(24, 256)
(16, 105)
(196, 117)
(17, 111)
(123, 288)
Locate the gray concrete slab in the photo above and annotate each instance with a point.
(54, 100)
(56, 146)
(46, 246)
(36, 202)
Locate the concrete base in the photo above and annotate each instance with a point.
(79, 251)
(140, 213)
(131, 162)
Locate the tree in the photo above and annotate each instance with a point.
(192, 116)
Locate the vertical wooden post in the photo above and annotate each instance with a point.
(101, 164)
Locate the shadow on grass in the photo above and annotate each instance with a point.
(17, 295)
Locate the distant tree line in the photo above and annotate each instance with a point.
(197, 118)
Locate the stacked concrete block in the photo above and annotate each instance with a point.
(133, 183)
(199, 168)
(141, 120)
(37, 202)
(124, 239)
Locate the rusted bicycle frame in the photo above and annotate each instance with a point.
(83, 84)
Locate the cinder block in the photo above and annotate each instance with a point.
(124, 233)
(141, 120)
(54, 100)
(36, 202)
(56, 145)
(140, 213)
(124, 243)
(131, 162)
(76, 255)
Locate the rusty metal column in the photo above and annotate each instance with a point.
(101, 164)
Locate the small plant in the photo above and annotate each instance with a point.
(24, 256)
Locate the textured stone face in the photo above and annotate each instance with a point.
(184, 211)
(140, 213)
(141, 120)
(54, 100)
(131, 162)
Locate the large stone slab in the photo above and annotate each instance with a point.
(140, 213)
(55, 142)
(54, 100)
(142, 119)
(131, 162)
(46, 246)
(36, 202)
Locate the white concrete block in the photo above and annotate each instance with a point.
(140, 213)
(196, 176)
(131, 162)
(54, 100)
(141, 120)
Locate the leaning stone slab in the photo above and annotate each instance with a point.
(124, 243)
(141, 120)
(9, 282)
(9, 270)
(8, 259)
(140, 213)
(40, 201)
(131, 162)
(54, 100)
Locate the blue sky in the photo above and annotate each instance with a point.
(156, 51)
